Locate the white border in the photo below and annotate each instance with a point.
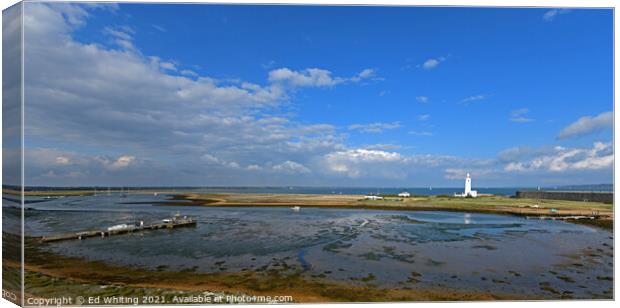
(488, 3)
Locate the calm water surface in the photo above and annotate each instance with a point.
(478, 252)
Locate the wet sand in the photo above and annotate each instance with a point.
(52, 271)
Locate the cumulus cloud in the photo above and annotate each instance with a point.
(362, 162)
(11, 94)
(377, 127)
(388, 165)
(122, 162)
(189, 73)
(125, 101)
(291, 167)
(562, 159)
(152, 122)
(121, 36)
(588, 125)
(314, 77)
(42, 164)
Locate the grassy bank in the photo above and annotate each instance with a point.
(487, 204)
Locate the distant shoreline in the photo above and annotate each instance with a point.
(488, 204)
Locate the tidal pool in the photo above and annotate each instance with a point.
(392, 249)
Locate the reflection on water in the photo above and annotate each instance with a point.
(493, 253)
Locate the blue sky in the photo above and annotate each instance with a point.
(311, 95)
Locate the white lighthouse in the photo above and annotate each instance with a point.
(468, 191)
(467, 185)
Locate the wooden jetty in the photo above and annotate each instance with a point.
(175, 222)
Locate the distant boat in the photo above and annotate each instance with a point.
(295, 209)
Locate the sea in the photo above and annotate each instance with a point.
(419, 191)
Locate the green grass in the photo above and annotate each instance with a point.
(489, 203)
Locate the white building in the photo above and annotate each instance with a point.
(370, 197)
(404, 194)
(468, 191)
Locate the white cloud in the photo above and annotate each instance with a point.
(121, 36)
(422, 99)
(314, 77)
(588, 125)
(367, 73)
(562, 159)
(386, 165)
(168, 66)
(44, 160)
(268, 65)
(124, 101)
(362, 162)
(61, 160)
(430, 64)
(159, 28)
(189, 73)
(520, 115)
(291, 167)
(254, 167)
(550, 15)
(377, 127)
(460, 173)
(424, 117)
(420, 133)
(473, 98)
(122, 162)
(383, 147)
(150, 124)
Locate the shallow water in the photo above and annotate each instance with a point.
(467, 251)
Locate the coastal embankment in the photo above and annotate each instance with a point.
(585, 196)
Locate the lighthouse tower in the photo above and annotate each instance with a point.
(468, 192)
(467, 185)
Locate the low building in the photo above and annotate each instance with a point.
(371, 197)
(404, 194)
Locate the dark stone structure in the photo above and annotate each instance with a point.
(589, 196)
